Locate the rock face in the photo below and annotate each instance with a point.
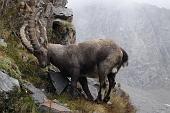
(7, 83)
(53, 107)
(63, 32)
(8, 92)
(59, 81)
(38, 96)
(63, 13)
(56, 18)
(60, 18)
(45, 105)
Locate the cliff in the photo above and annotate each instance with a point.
(29, 87)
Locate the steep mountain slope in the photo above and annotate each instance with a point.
(144, 32)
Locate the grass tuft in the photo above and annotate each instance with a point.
(119, 104)
(9, 66)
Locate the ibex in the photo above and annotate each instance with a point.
(78, 60)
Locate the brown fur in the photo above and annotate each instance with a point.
(102, 56)
(79, 60)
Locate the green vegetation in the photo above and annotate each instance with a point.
(119, 104)
(12, 61)
(9, 66)
(20, 64)
(17, 101)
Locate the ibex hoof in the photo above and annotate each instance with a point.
(106, 99)
(90, 98)
(98, 101)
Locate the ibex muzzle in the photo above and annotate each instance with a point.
(42, 57)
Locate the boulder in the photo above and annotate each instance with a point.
(60, 3)
(63, 32)
(58, 12)
(93, 86)
(2, 42)
(60, 19)
(45, 105)
(37, 94)
(9, 88)
(63, 13)
(59, 81)
(8, 83)
(53, 107)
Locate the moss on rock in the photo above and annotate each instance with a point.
(9, 66)
(17, 101)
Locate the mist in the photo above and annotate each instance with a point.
(142, 28)
(75, 4)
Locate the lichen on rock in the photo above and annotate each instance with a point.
(7, 83)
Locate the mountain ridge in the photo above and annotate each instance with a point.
(142, 29)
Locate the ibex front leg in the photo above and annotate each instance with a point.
(83, 82)
(74, 79)
(102, 72)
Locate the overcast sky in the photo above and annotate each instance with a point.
(160, 3)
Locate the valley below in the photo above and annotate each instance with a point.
(143, 30)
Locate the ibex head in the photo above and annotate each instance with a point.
(34, 37)
(42, 57)
(31, 43)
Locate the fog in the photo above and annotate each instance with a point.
(142, 28)
(74, 4)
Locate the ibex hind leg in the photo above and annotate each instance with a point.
(103, 70)
(107, 69)
(74, 79)
(112, 83)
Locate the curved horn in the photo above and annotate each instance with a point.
(32, 28)
(24, 40)
(43, 33)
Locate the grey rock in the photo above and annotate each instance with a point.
(2, 42)
(60, 3)
(93, 90)
(38, 96)
(58, 12)
(45, 105)
(7, 83)
(48, 10)
(93, 86)
(53, 107)
(9, 88)
(62, 12)
(59, 81)
(63, 32)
